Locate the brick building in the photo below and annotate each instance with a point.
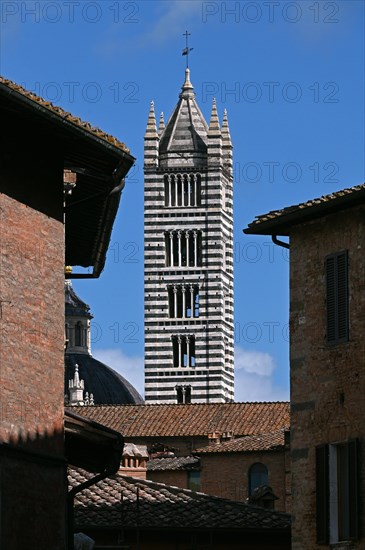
(327, 369)
(173, 433)
(233, 469)
(236, 468)
(43, 143)
(180, 471)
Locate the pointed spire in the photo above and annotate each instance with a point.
(226, 136)
(76, 382)
(151, 130)
(161, 125)
(214, 127)
(76, 389)
(187, 89)
(214, 138)
(227, 144)
(151, 140)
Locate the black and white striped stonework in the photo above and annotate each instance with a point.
(188, 256)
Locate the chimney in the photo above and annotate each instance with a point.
(214, 438)
(134, 461)
(227, 436)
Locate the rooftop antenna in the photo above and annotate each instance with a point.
(187, 50)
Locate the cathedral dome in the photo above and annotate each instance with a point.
(107, 386)
(84, 375)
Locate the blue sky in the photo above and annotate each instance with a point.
(291, 75)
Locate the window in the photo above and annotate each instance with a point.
(183, 301)
(337, 297)
(183, 248)
(78, 334)
(257, 476)
(67, 336)
(183, 394)
(187, 394)
(183, 351)
(337, 492)
(179, 395)
(194, 481)
(182, 190)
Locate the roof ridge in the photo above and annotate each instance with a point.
(289, 215)
(196, 404)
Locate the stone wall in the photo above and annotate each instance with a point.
(327, 381)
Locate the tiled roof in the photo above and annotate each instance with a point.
(113, 503)
(173, 463)
(310, 209)
(262, 442)
(64, 115)
(193, 419)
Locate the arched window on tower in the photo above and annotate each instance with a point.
(179, 395)
(183, 301)
(187, 394)
(183, 394)
(257, 477)
(67, 336)
(182, 190)
(79, 334)
(183, 350)
(183, 248)
(196, 302)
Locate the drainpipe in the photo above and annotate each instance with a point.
(275, 240)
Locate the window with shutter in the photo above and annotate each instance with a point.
(337, 297)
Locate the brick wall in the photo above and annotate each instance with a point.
(327, 382)
(31, 359)
(226, 474)
(177, 478)
(32, 322)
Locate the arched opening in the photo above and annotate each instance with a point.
(79, 334)
(257, 476)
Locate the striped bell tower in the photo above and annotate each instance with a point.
(188, 256)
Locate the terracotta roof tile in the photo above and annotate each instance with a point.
(173, 463)
(343, 196)
(113, 503)
(190, 419)
(262, 442)
(64, 114)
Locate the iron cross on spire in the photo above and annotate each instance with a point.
(187, 50)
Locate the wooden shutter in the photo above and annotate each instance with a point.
(337, 297)
(353, 454)
(331, 299)
(322, 493)
(342, 297)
